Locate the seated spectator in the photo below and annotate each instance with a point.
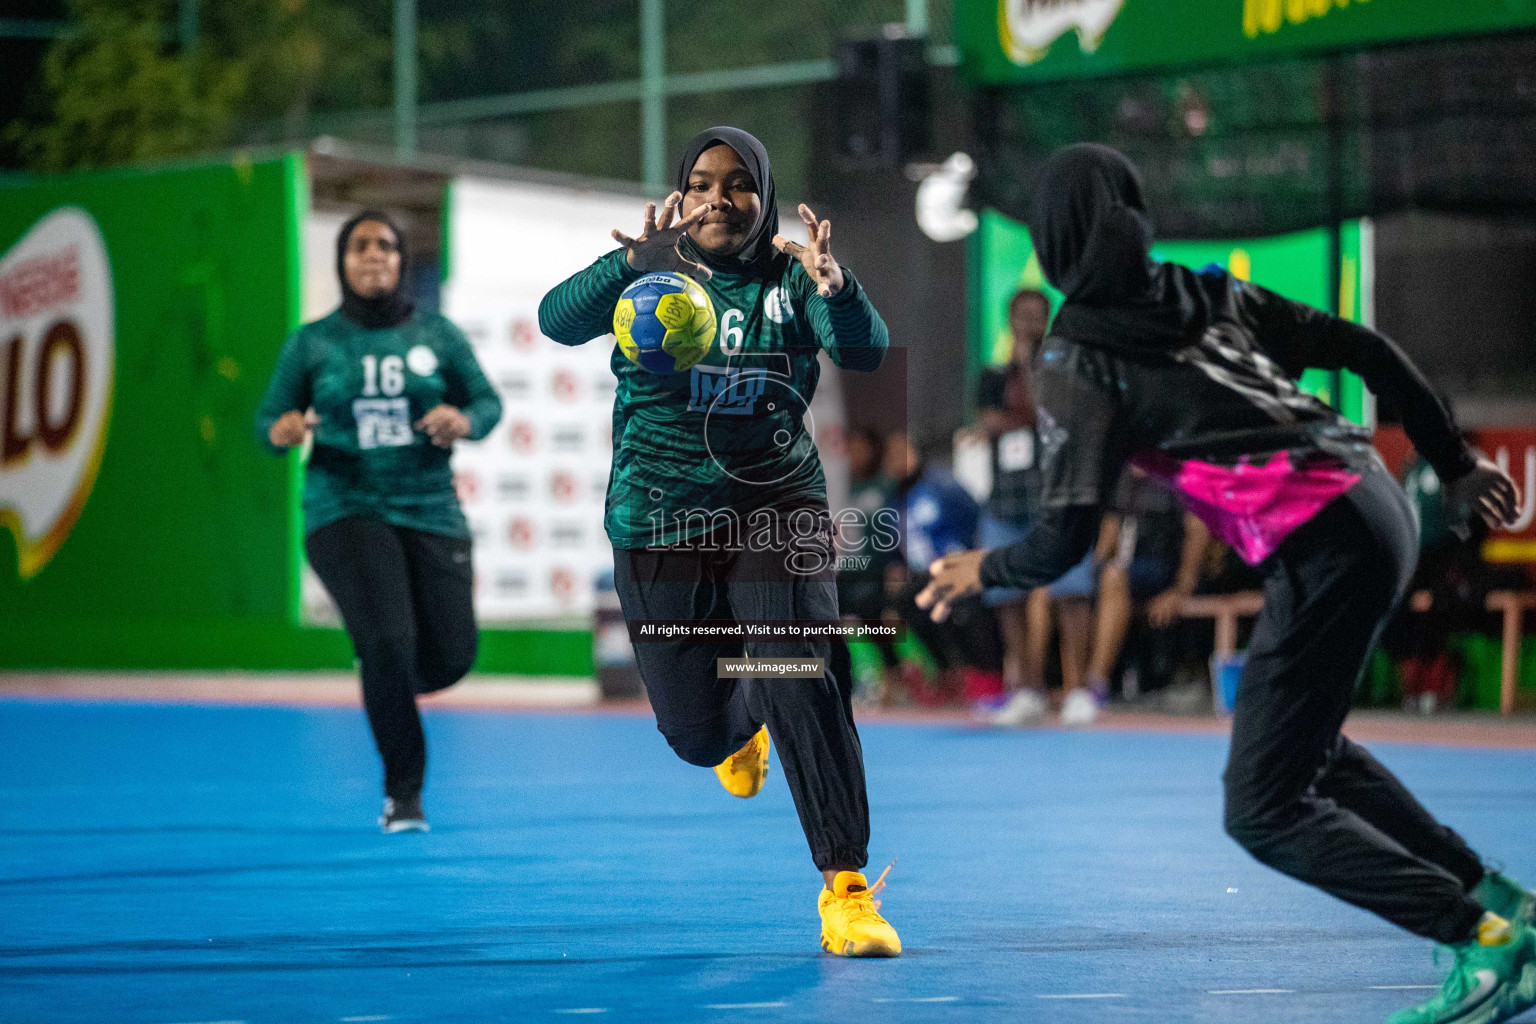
(1158, 551)
(1149, 550)
(938, 517)
(861, 579)
(1006, 418)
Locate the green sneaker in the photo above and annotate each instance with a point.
(1487, 984)
(1506, 897)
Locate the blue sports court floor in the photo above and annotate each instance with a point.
(168, 864)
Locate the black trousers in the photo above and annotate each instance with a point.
(707, 719)
(406, 598)
(1301, 797)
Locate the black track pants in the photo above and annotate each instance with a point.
(406, 598)
(707, 719)
(1300, 796)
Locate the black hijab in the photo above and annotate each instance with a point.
(1092, 233)
(390, 309)
(758, 247)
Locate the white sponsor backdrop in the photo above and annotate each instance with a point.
(533, 489)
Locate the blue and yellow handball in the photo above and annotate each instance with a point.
(664, 323)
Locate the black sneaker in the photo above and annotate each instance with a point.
(403, 815)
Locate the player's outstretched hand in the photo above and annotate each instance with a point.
(816, 257)
(1486, 494)
(954, 577)
(655, 251)
(444, 424)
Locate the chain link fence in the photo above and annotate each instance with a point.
(556, 84)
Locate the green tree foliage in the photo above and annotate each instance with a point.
(120, 88)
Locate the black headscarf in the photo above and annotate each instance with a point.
(759, 244)
(387, 310)
(1092, 233)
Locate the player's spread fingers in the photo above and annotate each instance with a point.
(622, 239)
(826, 236)
(650, 219)
(697, 215)
(668, 209)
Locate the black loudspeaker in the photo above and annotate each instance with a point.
(882, 99)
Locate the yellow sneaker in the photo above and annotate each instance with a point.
(742, 773)
(851, 924)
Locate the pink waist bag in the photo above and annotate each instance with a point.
(1250, 507)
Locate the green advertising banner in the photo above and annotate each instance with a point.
(141, 307)
(1295, 265)
(141, 526)
(1008, 41)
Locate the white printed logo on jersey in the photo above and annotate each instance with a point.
(422, 361)
(382, 422)
(776, 306)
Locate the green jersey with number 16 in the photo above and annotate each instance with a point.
(733, 434)
(369, 387)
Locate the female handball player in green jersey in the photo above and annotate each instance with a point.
(717, 506)
(387, 391)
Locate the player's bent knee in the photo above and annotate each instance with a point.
(1250, 824)
(703, 747)
(447, 671)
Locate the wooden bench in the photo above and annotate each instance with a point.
(1227, 609)
(1514, 604)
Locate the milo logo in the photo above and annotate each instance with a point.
(56, 367)
(1027, 28)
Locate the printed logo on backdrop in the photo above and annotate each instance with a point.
(57, 354)
(563, 486)
(776, 305)
(514, 386)
(568, 438)
(467, 485)
(562, 584)
(565, 386)
(567, 535)
(511, 583)
(1027, 28)
(521, 533)
(514, 487)
(477, 331)
(523, 436)
(524, 334)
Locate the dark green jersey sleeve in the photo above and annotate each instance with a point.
(289, 389)
(580, 308)
(467, 387)
(846, 324)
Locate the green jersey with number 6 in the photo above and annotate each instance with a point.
(369, 387)
(732, 435)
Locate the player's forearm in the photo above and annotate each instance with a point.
(483, 413)
(286, 392)
(580, 308)
(1191, 555)
(1057, 541)
(1388, 372)
(849, 327)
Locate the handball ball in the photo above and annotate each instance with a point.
(664, 323)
